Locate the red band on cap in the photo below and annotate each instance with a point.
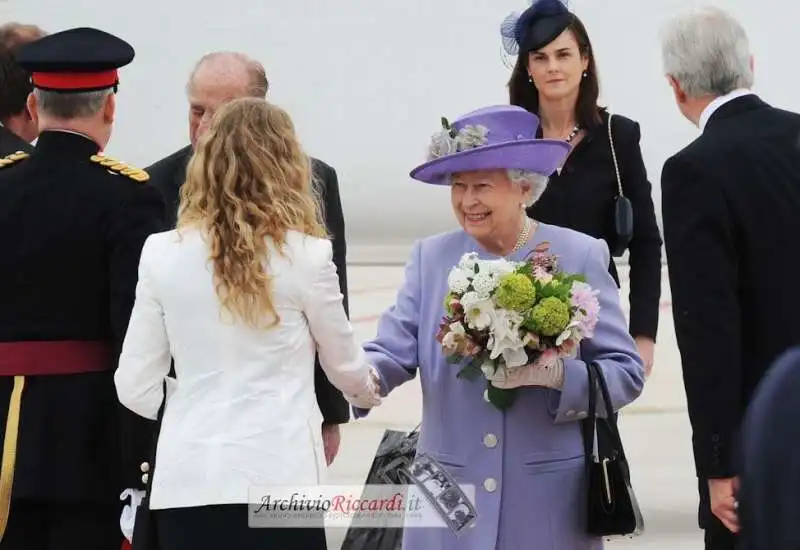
(75, 81)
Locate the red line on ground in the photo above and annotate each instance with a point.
(371, 289)
(364, 319)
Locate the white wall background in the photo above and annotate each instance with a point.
(367, 81)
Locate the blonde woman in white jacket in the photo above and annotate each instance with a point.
(241, 295)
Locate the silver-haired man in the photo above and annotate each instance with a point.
(731, 209)
(216, 79)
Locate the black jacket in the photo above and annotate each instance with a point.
(71, 233)
(731, 210)
(582, 196)
(769, 495)
(169, 174)
(11, 143)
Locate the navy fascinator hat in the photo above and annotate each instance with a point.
(536, 27)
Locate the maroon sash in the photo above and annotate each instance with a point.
(36, 358)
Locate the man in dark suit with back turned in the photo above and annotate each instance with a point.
(220, 77)
(18, 128)
(731, 214)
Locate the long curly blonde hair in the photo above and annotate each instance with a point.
(249, 182)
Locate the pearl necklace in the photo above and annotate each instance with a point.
(524, 235)
(574, 133)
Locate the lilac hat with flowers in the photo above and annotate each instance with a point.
(496, 137)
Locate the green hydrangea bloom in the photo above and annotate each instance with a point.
(515, 292)
(550, 316)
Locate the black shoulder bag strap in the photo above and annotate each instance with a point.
(623, 208)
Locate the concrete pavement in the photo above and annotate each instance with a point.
(655, 429)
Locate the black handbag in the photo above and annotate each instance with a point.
(611, 505)
(145, 536)
(623, 209)
(395, 452)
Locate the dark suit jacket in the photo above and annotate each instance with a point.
(581, 197)
(168, 175)
(769, 497)
(731, 210)
(71, 233)
(11, 143)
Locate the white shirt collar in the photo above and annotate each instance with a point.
(719, 102)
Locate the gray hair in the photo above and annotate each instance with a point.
(71, 105)
(707, 51)
(537, 183)
(258, 84)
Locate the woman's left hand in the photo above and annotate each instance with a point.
(646, 347)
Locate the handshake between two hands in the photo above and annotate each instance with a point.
(370, 399)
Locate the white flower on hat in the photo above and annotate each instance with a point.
(449, 141)
(442, 145)
(471, 137)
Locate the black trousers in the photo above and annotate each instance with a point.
(717, 536)
(225, 526)
(44, 525)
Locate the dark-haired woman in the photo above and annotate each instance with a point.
(555, 77)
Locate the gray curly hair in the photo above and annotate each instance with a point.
(537, 182)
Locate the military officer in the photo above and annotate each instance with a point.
(72, 224)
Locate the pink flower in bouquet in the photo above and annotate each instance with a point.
(568, 347)
(542, 275)
(542, 258)
(454, 305)
(585, 299)
(456, 341)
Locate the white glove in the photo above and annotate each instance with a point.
(548, 373)
(370, 399)
(128, 517)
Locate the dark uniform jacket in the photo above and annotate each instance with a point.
(168, 175)
(582, 196)
(731, 211)
(11, 143)
(71, 232)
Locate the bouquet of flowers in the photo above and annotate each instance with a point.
(506, 315)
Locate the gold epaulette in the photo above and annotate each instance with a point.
(12, 158)
(117, 167)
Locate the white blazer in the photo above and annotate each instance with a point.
(243, 412)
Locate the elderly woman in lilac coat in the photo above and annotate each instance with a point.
(526, 462)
